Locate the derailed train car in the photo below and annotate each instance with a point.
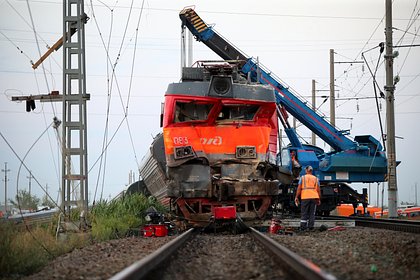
(218, 146)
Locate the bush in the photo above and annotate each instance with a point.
(114, 219)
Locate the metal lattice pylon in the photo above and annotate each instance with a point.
(74, 139)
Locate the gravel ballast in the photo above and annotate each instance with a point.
(354, 253)
(101, 260)
(359, 253)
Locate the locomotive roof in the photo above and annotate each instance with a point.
(201, 82)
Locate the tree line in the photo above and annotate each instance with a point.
(25, 200)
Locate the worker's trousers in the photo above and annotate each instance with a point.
(308, 208)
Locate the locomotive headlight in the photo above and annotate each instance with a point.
(246, 152)
(183, 152)
(220, 86)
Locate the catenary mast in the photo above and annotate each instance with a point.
(74, 138)
(74, 190)
(390, 116)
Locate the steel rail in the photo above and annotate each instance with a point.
(389, 224)
(406, 226)
(302, 268)
(141, 268)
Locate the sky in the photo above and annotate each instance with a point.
(291, 38)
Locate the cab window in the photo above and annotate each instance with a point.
(238, 112)
(285, 157)
(191, 111)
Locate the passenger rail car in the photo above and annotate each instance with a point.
(220, 136)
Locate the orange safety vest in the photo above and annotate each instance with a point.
(309, 187)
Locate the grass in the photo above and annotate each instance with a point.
(114, 219)
(24, 252)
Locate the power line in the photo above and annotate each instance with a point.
(130, 85)
(28, 24)
(410, 22)
(17, 47)
(37, 43)
(230, 13)
(414, 34)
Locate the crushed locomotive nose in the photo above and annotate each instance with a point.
(216, 157)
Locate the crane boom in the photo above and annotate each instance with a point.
(294, 105)
(361, 160)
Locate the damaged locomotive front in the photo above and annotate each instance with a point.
(220, 143)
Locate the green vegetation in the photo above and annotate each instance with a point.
(114, 219)
(24, 200)
(23, 252)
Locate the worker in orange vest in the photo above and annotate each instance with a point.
(310, 195)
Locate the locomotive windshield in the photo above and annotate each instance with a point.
(191, 111)
(238, 112)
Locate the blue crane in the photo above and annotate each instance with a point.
(360, 160)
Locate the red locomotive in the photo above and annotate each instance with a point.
(218, 146)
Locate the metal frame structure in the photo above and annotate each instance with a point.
(74, 138)
(74, 187)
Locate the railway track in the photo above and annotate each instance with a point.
(165, 262)
(142, 268)
(160, 264)
(351, 253)
(299, 267)
(389, 224)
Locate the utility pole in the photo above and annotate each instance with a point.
(74, 125)
(390, 116)
(314, 109)
(74, 143)
(332, 89)
(30, 179)
(415, 192)
(131, 177)
(186, 48)
(332, 83)
(190, 49)
(5, 170)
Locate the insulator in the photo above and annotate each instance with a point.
(32, 103)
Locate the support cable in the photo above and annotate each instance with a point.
(411, 21)
(17, 47)
(17, 188)
(105, 137)
(113, 73)
(37, 43)
(130, 85)
(408, 52)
